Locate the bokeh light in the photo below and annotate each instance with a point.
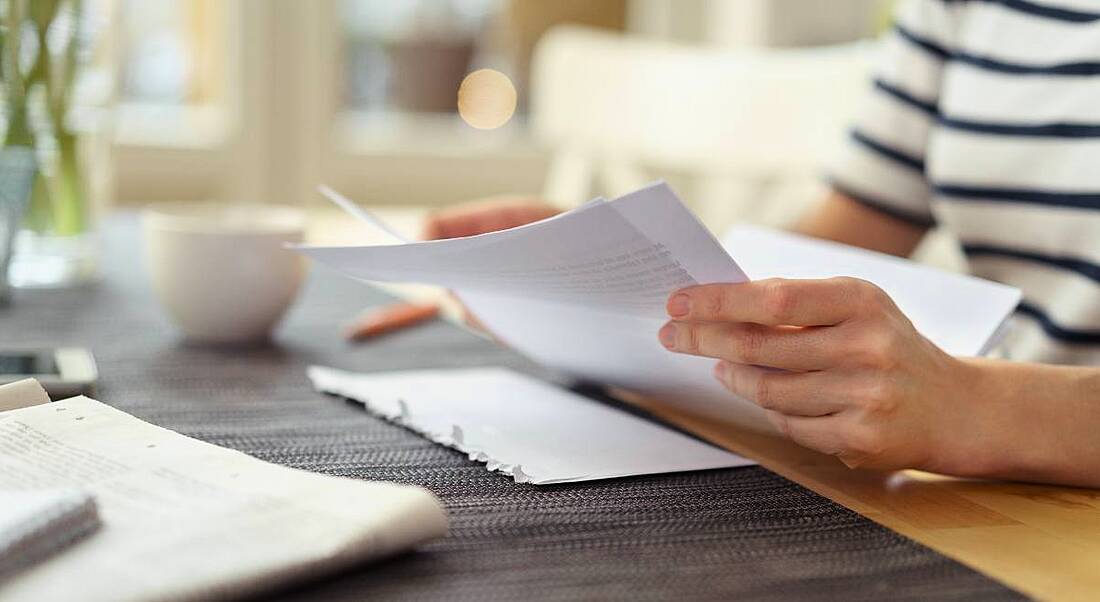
(486, 99)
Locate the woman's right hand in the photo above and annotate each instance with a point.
(486, 215)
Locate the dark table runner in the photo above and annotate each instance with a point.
(723, 534)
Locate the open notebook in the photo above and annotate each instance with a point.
(584, 292)
(184, 519)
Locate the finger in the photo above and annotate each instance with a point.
(775, 301)
(506, 217)
(526, 213)
(431, 229)
(434, 228)
(792, 393)
(781, 347)
(487, 215)
(456, 223)
(824, 434)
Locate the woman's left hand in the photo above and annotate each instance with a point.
(836, 366)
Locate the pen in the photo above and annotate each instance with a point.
(389, 318)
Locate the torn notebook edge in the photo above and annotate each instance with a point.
(327, 380)
(386, 402)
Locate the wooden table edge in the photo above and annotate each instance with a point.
(947, 515)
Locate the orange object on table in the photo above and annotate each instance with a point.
(389, 318)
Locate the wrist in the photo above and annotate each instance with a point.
(1007, 420)
(976, 436)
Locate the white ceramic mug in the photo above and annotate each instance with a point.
(222, 271)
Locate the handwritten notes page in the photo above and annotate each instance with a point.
(183, 519)
(584, 292)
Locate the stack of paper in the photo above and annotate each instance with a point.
(584, 292)
(183, 519)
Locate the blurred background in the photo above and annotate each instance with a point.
(737, 102)
(406, 106)
(263, 99)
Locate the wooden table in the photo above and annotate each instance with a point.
(1041, 540)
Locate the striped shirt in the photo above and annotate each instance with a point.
(984, 118)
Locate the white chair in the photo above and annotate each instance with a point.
(731, 129)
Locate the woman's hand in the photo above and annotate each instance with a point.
(836, 366)
(481, 216)
(486, 215)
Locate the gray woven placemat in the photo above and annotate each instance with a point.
(726, 534)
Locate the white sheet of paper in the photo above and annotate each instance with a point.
(523, 427)
(602, 256)
(584, 292)
(184, 519)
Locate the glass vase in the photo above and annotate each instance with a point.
(58, 245)
(18, 169)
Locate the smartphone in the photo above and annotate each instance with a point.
(63, 372)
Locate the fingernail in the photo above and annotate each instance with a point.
(667, 335)
(679, 305)
(720, 370)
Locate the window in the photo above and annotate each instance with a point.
(264, 99)
(159, 50)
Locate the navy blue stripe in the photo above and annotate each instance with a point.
(884, 207)
(1075, 69)
(1046, 130)
(1054, 331)
(903, 96)
(888, 152)
(1078, 200)
(929, 46)
(1087, 68)
(1072, 264)
(1050, 12)
(1040, 10)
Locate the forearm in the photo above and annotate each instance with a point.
(1031, 422)
(844, 220)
